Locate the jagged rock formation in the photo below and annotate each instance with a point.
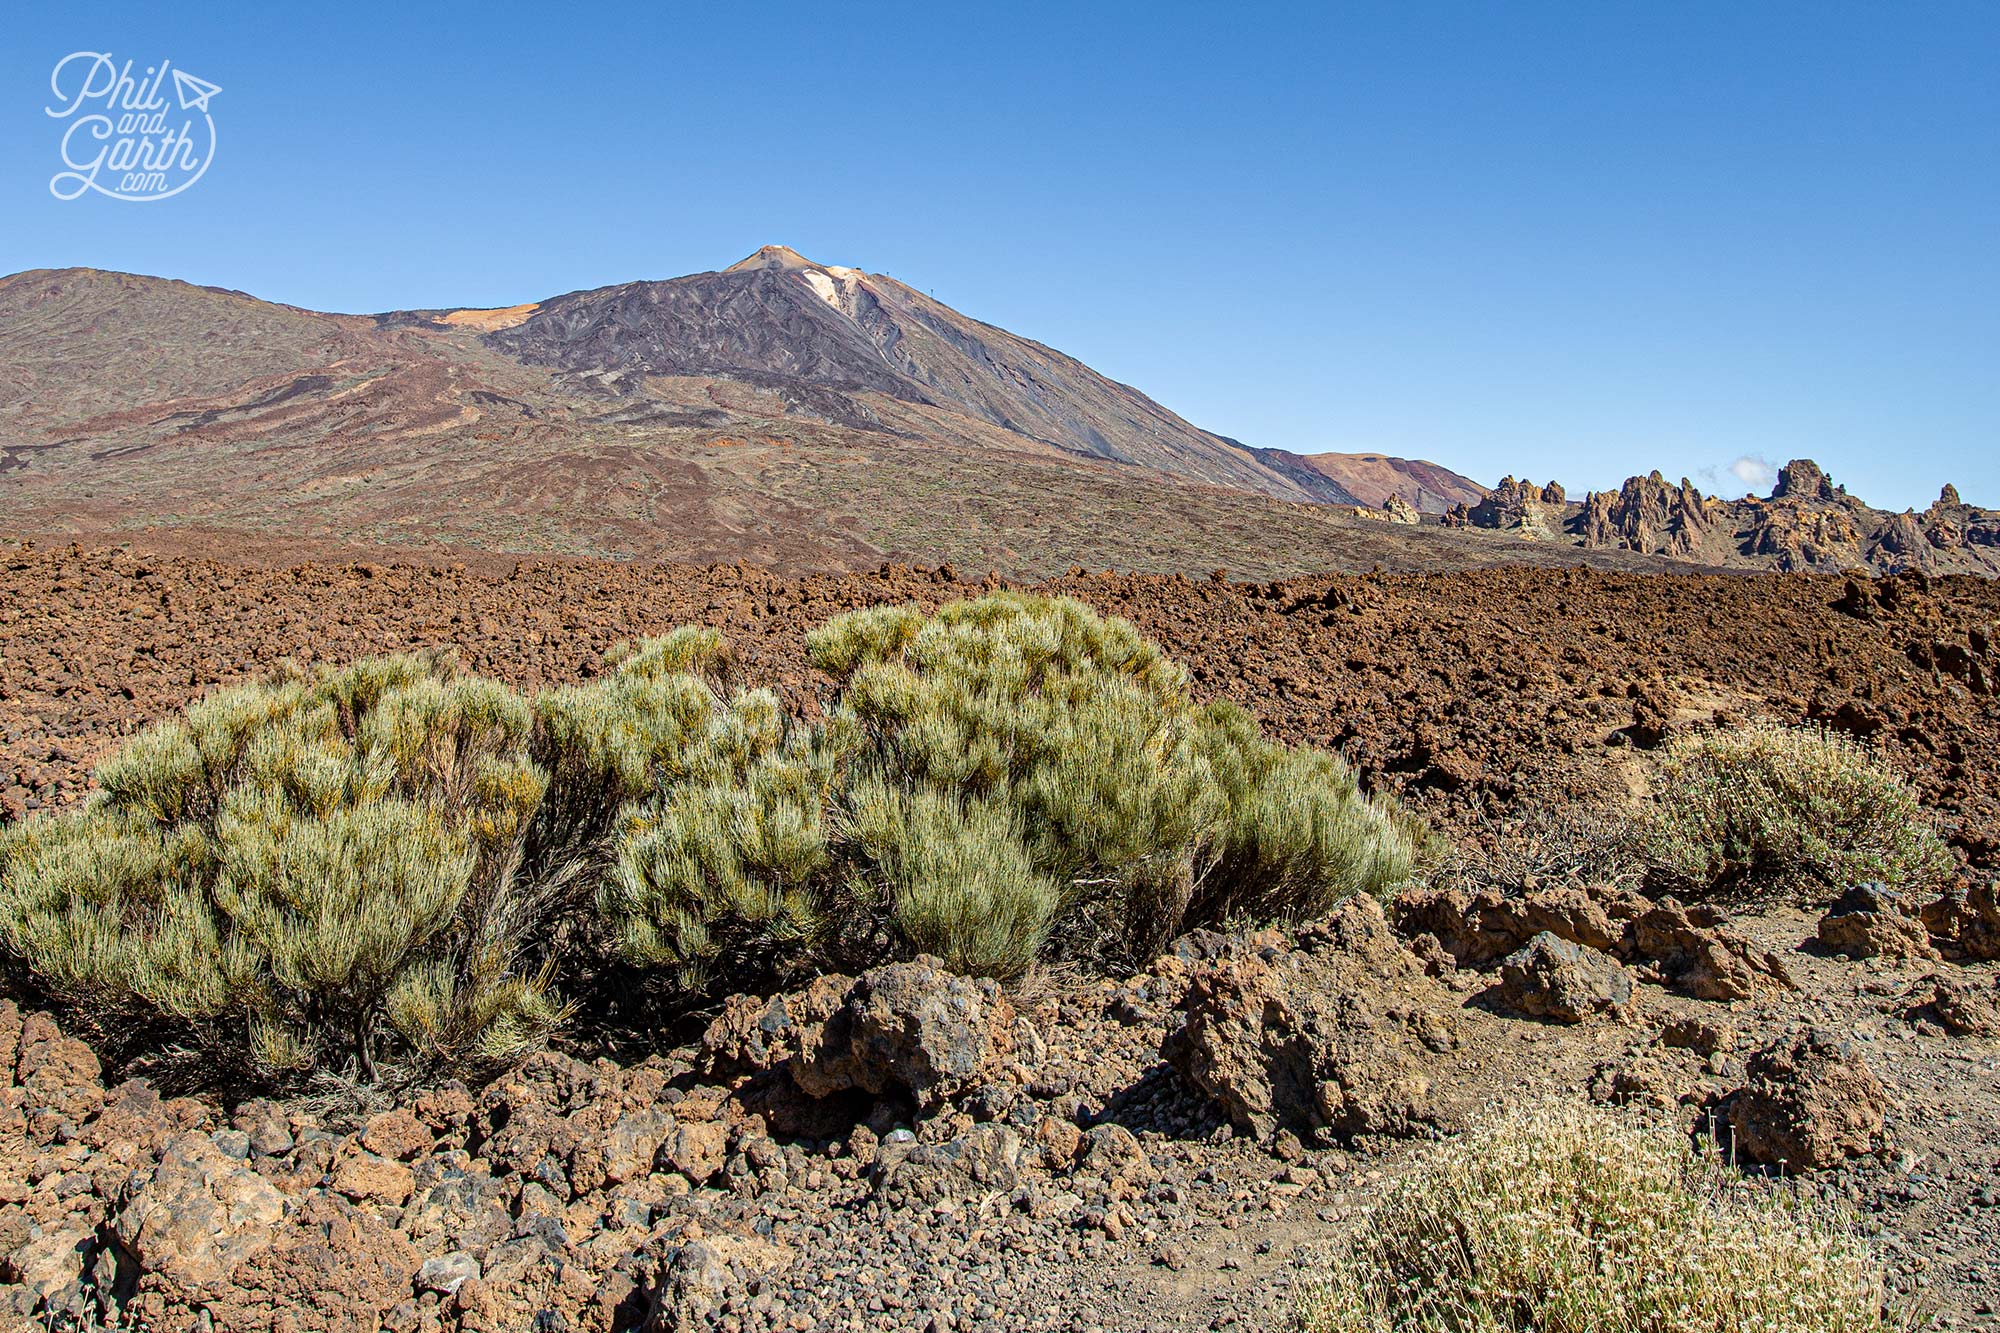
(1516, 506)
(1803, 479)
(1951, 524)
(1646, 515)
(1807, 523)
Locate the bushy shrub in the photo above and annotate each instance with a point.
(1569, 1221)
(1799, 813)
(298, 875)
(391, 861)
(1010, 771)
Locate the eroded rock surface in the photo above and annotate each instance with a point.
(1810, 1102)
(1331, 1040)
(1874, 921)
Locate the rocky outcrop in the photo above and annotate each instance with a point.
(1965, 921)
(1963, 1005)
(1801, 537)
(1803, 479)
(1480, 927)
(911, 1028)
(1646, 515)
(1553, 978)
(1691, 949)
(1400, 510)
(1517, 506)
(1874, 921)
(1331, 1040)
(1810, 1103)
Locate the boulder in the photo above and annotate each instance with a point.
(1555, 979)
(331, 1267)
(1699, 1035)
(1329, 1040)
(1874, 921)
(1634, 1080)
(397, 1135)
(1964, 1006)
(697, 1151)
(983, 1159)
(910, 1028)
(1693, 950)
(1965, 921)
(201, 1216)
(456, 1207)
(57, 1074)
(366, 1178)
(623, 1152)
(1809, 1103)
(1477, 928)
(47, 1268)
(446, 1273)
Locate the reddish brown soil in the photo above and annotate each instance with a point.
(1480, 690)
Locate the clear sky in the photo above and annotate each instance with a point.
(1570, 240)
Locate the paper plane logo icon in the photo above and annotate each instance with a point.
(194, 93)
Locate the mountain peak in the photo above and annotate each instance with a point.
(772, 256)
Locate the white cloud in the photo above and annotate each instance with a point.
(1754, 472)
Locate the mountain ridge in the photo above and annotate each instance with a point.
(778, 411)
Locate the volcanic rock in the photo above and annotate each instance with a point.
(909, 1027)
(1965, 920)
(1555, 979)
(1694, 950)
(1517, 506)
(1327, 1042)
(1874, 921)
(1810, 1102)
(1646, 514)
(1964, 1006)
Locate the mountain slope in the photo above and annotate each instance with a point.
(1373, 478)
(778, 412)
(829, 338)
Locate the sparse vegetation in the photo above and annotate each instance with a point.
(386, 863)
(1567, 1220)
(1805, 814)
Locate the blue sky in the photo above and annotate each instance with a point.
(1572, 240)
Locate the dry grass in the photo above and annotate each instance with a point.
(1786, 812)
(1566, 1220)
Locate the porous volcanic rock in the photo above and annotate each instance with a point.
(1692, 949)
(1964, 1006)
(1331, 1040)
(1810, 1102)
(1874, 921)
(908, 1027)
(1477, 927)
(1965, 920)
(1552, 978)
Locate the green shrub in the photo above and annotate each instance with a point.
(1568, 1221)
(719, 867)
(383, 866)
(1011, 771)
(1797, 813)
(298, 876)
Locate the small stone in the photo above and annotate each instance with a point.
(446, 1273)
